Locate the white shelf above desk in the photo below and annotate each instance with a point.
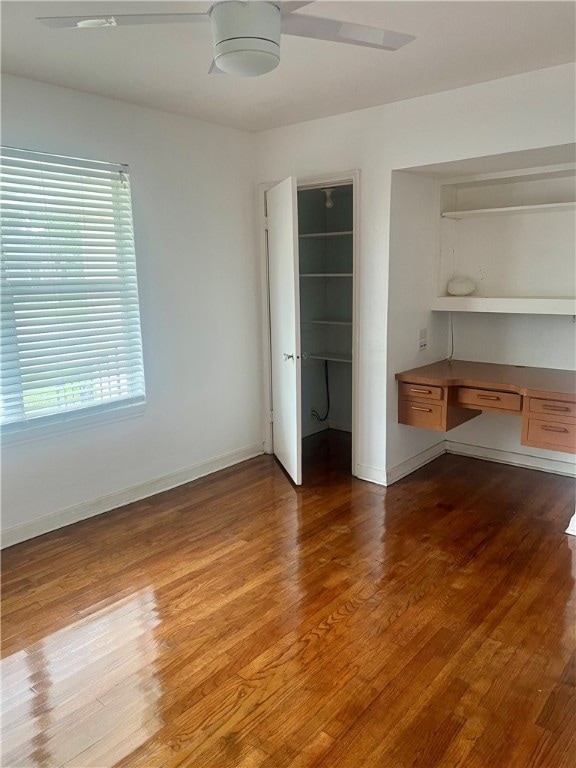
(510, 210)
(506, 305)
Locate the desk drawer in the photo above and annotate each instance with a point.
(552, 407)
(489, 399)
(421, 414)
(552, 434)
(420, 391)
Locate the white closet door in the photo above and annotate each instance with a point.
(283, 272)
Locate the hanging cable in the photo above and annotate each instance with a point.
(314, 412)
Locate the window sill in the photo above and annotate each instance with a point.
(73, 423)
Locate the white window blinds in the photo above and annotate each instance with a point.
(70, 336)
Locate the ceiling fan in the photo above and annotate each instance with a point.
(246, 33)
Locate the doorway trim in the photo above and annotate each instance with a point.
(311, 182)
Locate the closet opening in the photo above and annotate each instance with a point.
(326, 283)
(309, 244)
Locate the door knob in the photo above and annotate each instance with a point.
(288, 357)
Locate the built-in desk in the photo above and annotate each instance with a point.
(443, 395)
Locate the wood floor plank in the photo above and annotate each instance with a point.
(240, 622)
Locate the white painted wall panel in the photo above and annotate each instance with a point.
(527, 254)
(193, 197)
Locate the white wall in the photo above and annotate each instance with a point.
(516, 113)
(413, 275)
(193, 198)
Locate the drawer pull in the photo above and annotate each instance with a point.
(488, 397)
(421, 391)
(548, 428)
(417, 408)
(555, 408)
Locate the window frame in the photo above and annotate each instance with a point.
(98, 413)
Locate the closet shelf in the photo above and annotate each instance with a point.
(507, 211)
(521, 305)
(337, 357)
(327, 234)
(327, 322)
(326, 274)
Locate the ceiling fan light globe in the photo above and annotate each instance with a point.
(246, 37)
(247, 63)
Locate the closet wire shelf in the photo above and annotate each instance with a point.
(335, 357)
(326, 234)
(327, 322)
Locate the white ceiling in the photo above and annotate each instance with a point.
(458, 43)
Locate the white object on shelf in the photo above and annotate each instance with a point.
(528, 305)
(572, 526)
(512, 209)
(461, 286)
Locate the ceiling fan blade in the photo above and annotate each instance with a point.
(109, 20)
(343, 32)
(287, 6)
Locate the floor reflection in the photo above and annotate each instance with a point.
(86, 695)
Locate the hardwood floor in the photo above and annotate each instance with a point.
(239, 621)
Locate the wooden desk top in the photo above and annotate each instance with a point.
(533, 382)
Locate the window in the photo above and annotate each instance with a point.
(70, 342)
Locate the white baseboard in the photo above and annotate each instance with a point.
(371, 474)
(411, 465)
(556, 466)
(389, 476)
(103, 504)
(392, 475)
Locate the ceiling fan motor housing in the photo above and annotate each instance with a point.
(246, 37)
